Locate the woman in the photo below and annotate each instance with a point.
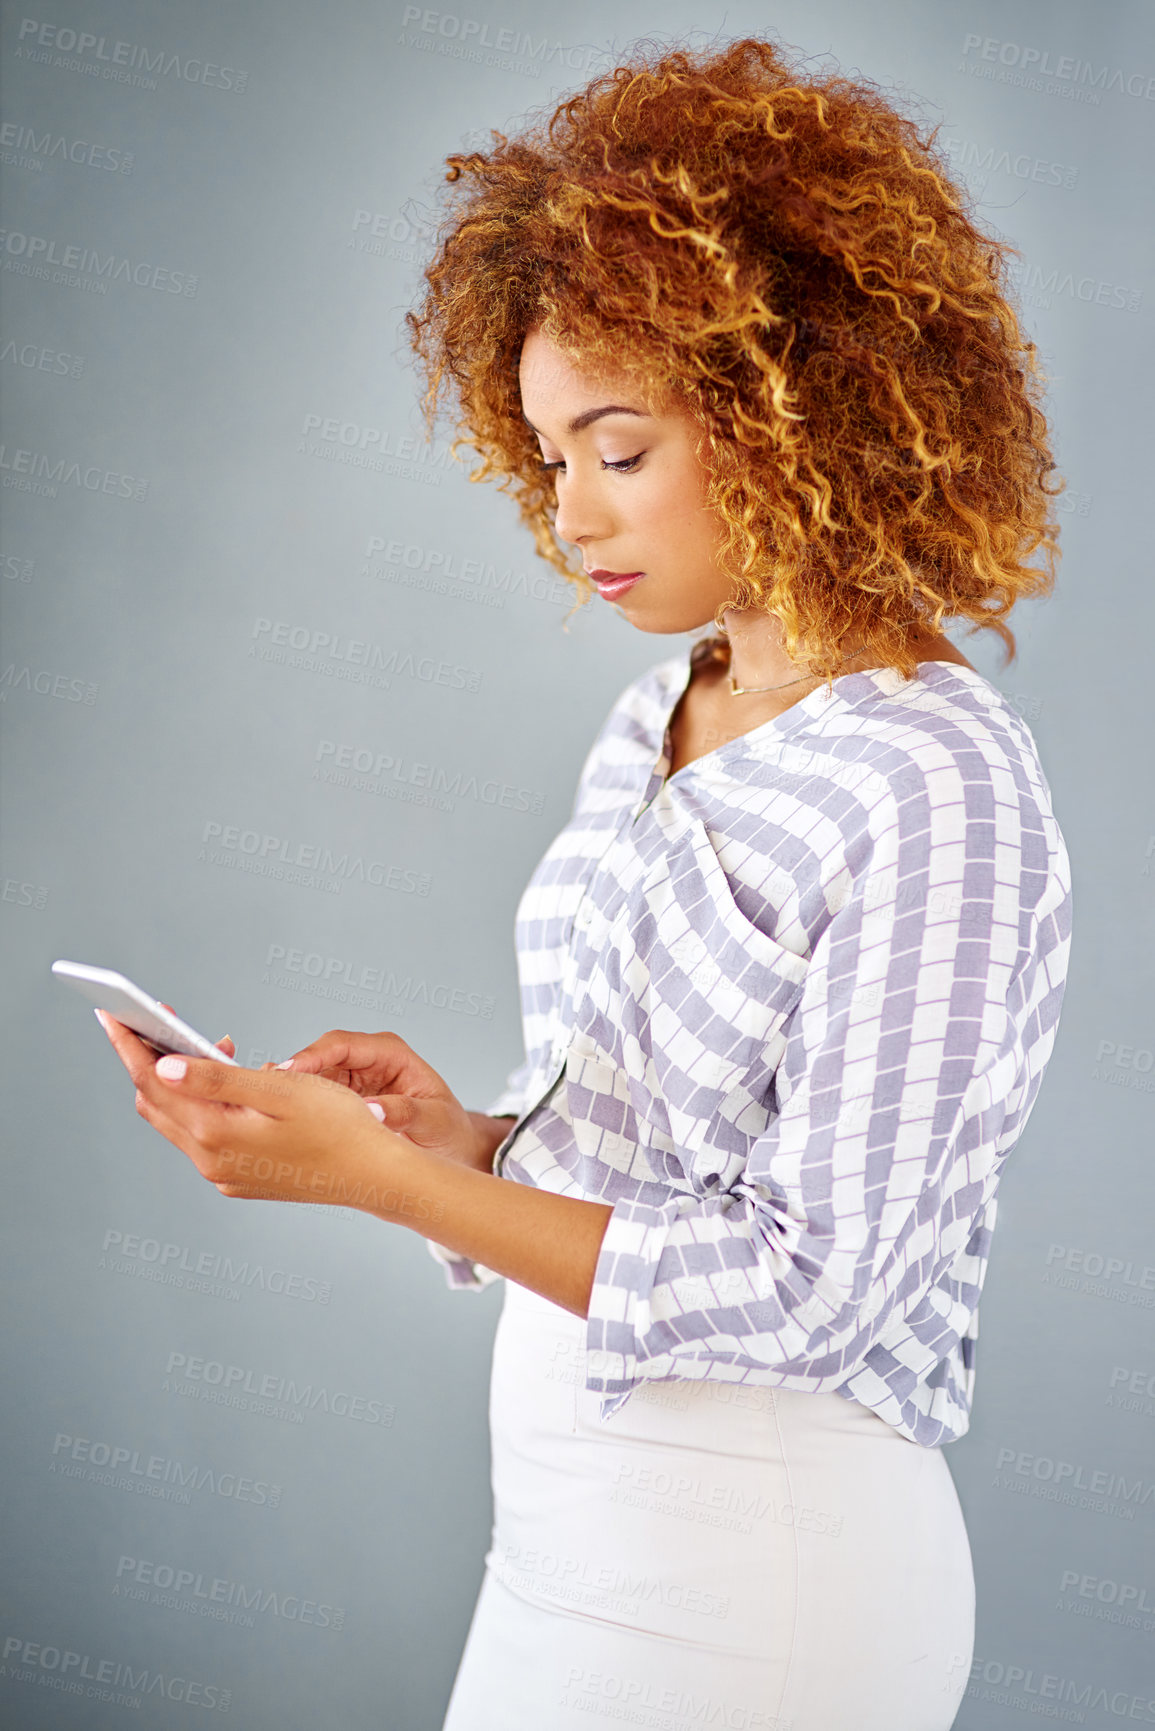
(792, 972)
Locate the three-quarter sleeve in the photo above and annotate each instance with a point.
(849, 1250)
(460, 1270)
(539, 934)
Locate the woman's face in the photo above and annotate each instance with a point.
(630, 490)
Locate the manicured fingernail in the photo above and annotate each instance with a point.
(377, 1110)
(99, 1014)
(285, 1064)
(171, 1067)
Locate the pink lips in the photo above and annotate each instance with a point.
(613, 584)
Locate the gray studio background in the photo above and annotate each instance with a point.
(215, 484)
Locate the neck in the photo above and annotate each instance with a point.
(758, 658)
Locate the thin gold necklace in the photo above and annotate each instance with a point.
(755, 690)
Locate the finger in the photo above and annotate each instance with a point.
(377, 1059)
(333, 1051)
(422, 1121)
(181, 1135)
(398, 1111)
(267, 1091)
(192, 1126)
(137, 1057)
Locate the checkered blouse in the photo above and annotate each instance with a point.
(788, 1012)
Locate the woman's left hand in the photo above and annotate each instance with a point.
(268, 1134)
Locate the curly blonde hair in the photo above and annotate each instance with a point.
(786, 261)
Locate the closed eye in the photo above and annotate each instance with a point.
(625, 467)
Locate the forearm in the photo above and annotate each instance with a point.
(545, 1242)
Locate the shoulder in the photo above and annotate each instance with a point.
(961, 809)
(931, 781)
(947, 700)
(957, 743)
(933, 737)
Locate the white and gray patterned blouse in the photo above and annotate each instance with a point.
(788, 1011)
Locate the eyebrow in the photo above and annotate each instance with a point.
(587, 416)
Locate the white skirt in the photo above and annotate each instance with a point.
(711, 1555)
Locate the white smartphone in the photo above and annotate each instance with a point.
(157, 1027)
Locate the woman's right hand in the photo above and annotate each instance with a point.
(416, 1101)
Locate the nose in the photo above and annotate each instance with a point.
(580, 515)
